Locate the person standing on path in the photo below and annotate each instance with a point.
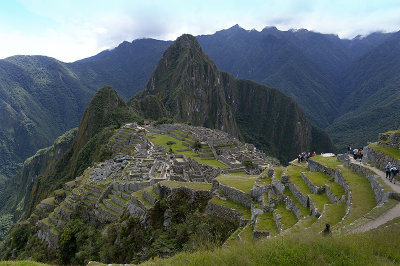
(388, 168)
(394, 172)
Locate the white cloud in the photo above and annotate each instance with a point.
(78, 29)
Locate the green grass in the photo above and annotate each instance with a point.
(233, 237)
(247, 233)
(362, 197)
(378, 247)
(191, 185)
(21, 263)
(372, 215)
(295, 178)
(332, 215)
(237, 173)
(304, 211)
(233, 205)
(330, 162)
(161, 140)
(139, 195)
(302, 224)
(49, 201)
(318, 179)
(319, 200)
(242, 182)
(392, 152)
(336, 189)
(263, 181)
(266, 222)
(278, 172)
(288, 217)
(151, 191)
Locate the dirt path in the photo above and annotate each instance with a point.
(387, 216)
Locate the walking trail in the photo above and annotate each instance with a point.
(387, 216)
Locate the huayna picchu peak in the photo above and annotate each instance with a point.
(189, 88)
(209, 150)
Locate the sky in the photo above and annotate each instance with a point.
(70, 30)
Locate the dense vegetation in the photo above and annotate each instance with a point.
(127, 240)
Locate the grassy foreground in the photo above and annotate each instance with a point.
(377, 247)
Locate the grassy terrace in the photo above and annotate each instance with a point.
(332, 215)
(394, 153)
(151, 191)
(320, 179)
(161, 140)
(319, 200)
(288, 217)
(330, 162)
(278, 172)
(317, 178)
(242, 182)
(247, 233)
(233, 237)
(233, 205)
(363, 198)
(191, 185)
(304, 211)
(21, 263)
(263, 181)
(49, 201)
(139, 195)
(266, 222)
(295, 178)
(302, 224)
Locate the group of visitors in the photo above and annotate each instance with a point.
(357, 153)
(304, 156)
(391, 172)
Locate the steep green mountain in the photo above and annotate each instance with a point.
(191, 89)
(106, 112)
(372, 105)
(15, 196)
(41, 97)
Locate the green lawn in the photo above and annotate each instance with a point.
(191, 185)
(362, 196)
(247, 233)
(288, 217)
(242, 182)
(394, 153)
(320, 200)
(139, 195)
(318, 179)
(304, 211)
(332, 215)
(278, 172)
(233, 205)
(161, 140)
(295, 178)
(266, 222)
(330, 162)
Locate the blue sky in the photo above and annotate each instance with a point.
(73, 29)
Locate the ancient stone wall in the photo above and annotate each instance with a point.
(236, 195)
(226, 213)
(315, 189)
(318, 167)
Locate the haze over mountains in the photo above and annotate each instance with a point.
(342, 85)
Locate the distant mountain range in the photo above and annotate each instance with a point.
(345, 86)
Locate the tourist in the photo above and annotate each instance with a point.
(388, 168)
(355, 152)
(299, 158)
(327, 230)
(349, 149)
(394, 172)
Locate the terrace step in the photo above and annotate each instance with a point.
(112, 206)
